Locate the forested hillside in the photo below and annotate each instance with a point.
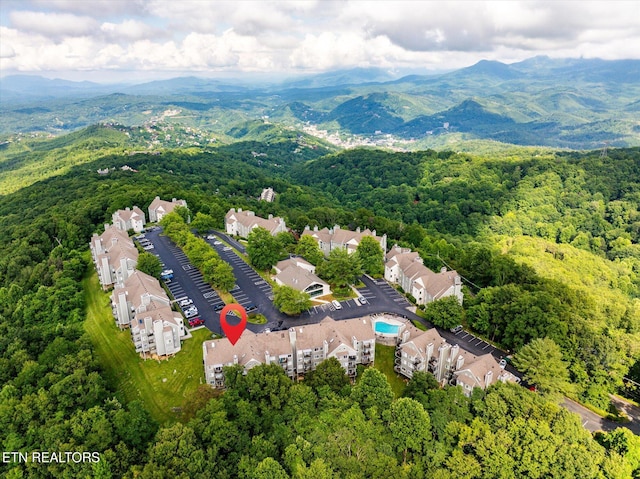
(549, 242)
(549, 246)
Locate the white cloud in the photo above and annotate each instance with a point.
(283, 36)
(53, 25)
(129, 30)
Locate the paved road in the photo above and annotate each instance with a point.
(252, 289)
(188, 281)
(592, 422)
(632, 412)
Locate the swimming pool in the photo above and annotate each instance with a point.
(383, 327)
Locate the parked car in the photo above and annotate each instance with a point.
(186, 302)
(166, 277)
(362, 300)
(148, 247)
(503, 363)
(196, 322)
(217, 243)
(336, 304)
(189, 313)
(456, 329)
(210, 237)
(167, 271)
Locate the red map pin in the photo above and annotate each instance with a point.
(233, 331)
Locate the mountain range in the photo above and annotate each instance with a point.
(573, 103)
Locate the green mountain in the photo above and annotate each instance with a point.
(571, 103)
(547, 242)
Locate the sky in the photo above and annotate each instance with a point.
(116, 40)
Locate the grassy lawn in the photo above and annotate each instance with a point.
(384, 363)
(160, 385)
(418, 325)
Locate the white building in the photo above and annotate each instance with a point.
(300, 275)
(240, 223)
(405, 268)
(298, 350)
(159, 208)
(129, 219)
(114, 256)
(336, 237)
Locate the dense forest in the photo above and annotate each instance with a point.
(547, 244)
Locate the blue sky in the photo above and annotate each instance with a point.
(115, 40)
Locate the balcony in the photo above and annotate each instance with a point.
(398, 353)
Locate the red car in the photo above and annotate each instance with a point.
(196, 322)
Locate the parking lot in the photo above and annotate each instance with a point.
(253, 292)
(472, 343)
(187, 282)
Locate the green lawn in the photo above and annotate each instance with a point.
(160, 385)
(384, 363)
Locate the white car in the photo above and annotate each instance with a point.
(190, 313)
(211, 237)
(336, 304)
(148, 247)
(186, 302)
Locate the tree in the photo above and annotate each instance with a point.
(149, 264)
(542, 365)
(203, 222)
(328, 373)
(270, 469)
(224, 279)
(286, 240)
(341, 269)
(308, 248)
(446, 312)
(263, 249)
(371, 256)
(410, 427)
(290, 301)
(372, 390)
(183, 212)
(419, 385)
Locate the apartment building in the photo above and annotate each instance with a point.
(157, 330)
(143, 306)
(299, 274)
(427, 351)
(297, 351)
(129, 219)
(240, 223)
(405, 268)
(114, 256)
(139, 293)
(159, 208)
(336, 237)
(268, 195)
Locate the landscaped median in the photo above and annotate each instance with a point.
(165, 387)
